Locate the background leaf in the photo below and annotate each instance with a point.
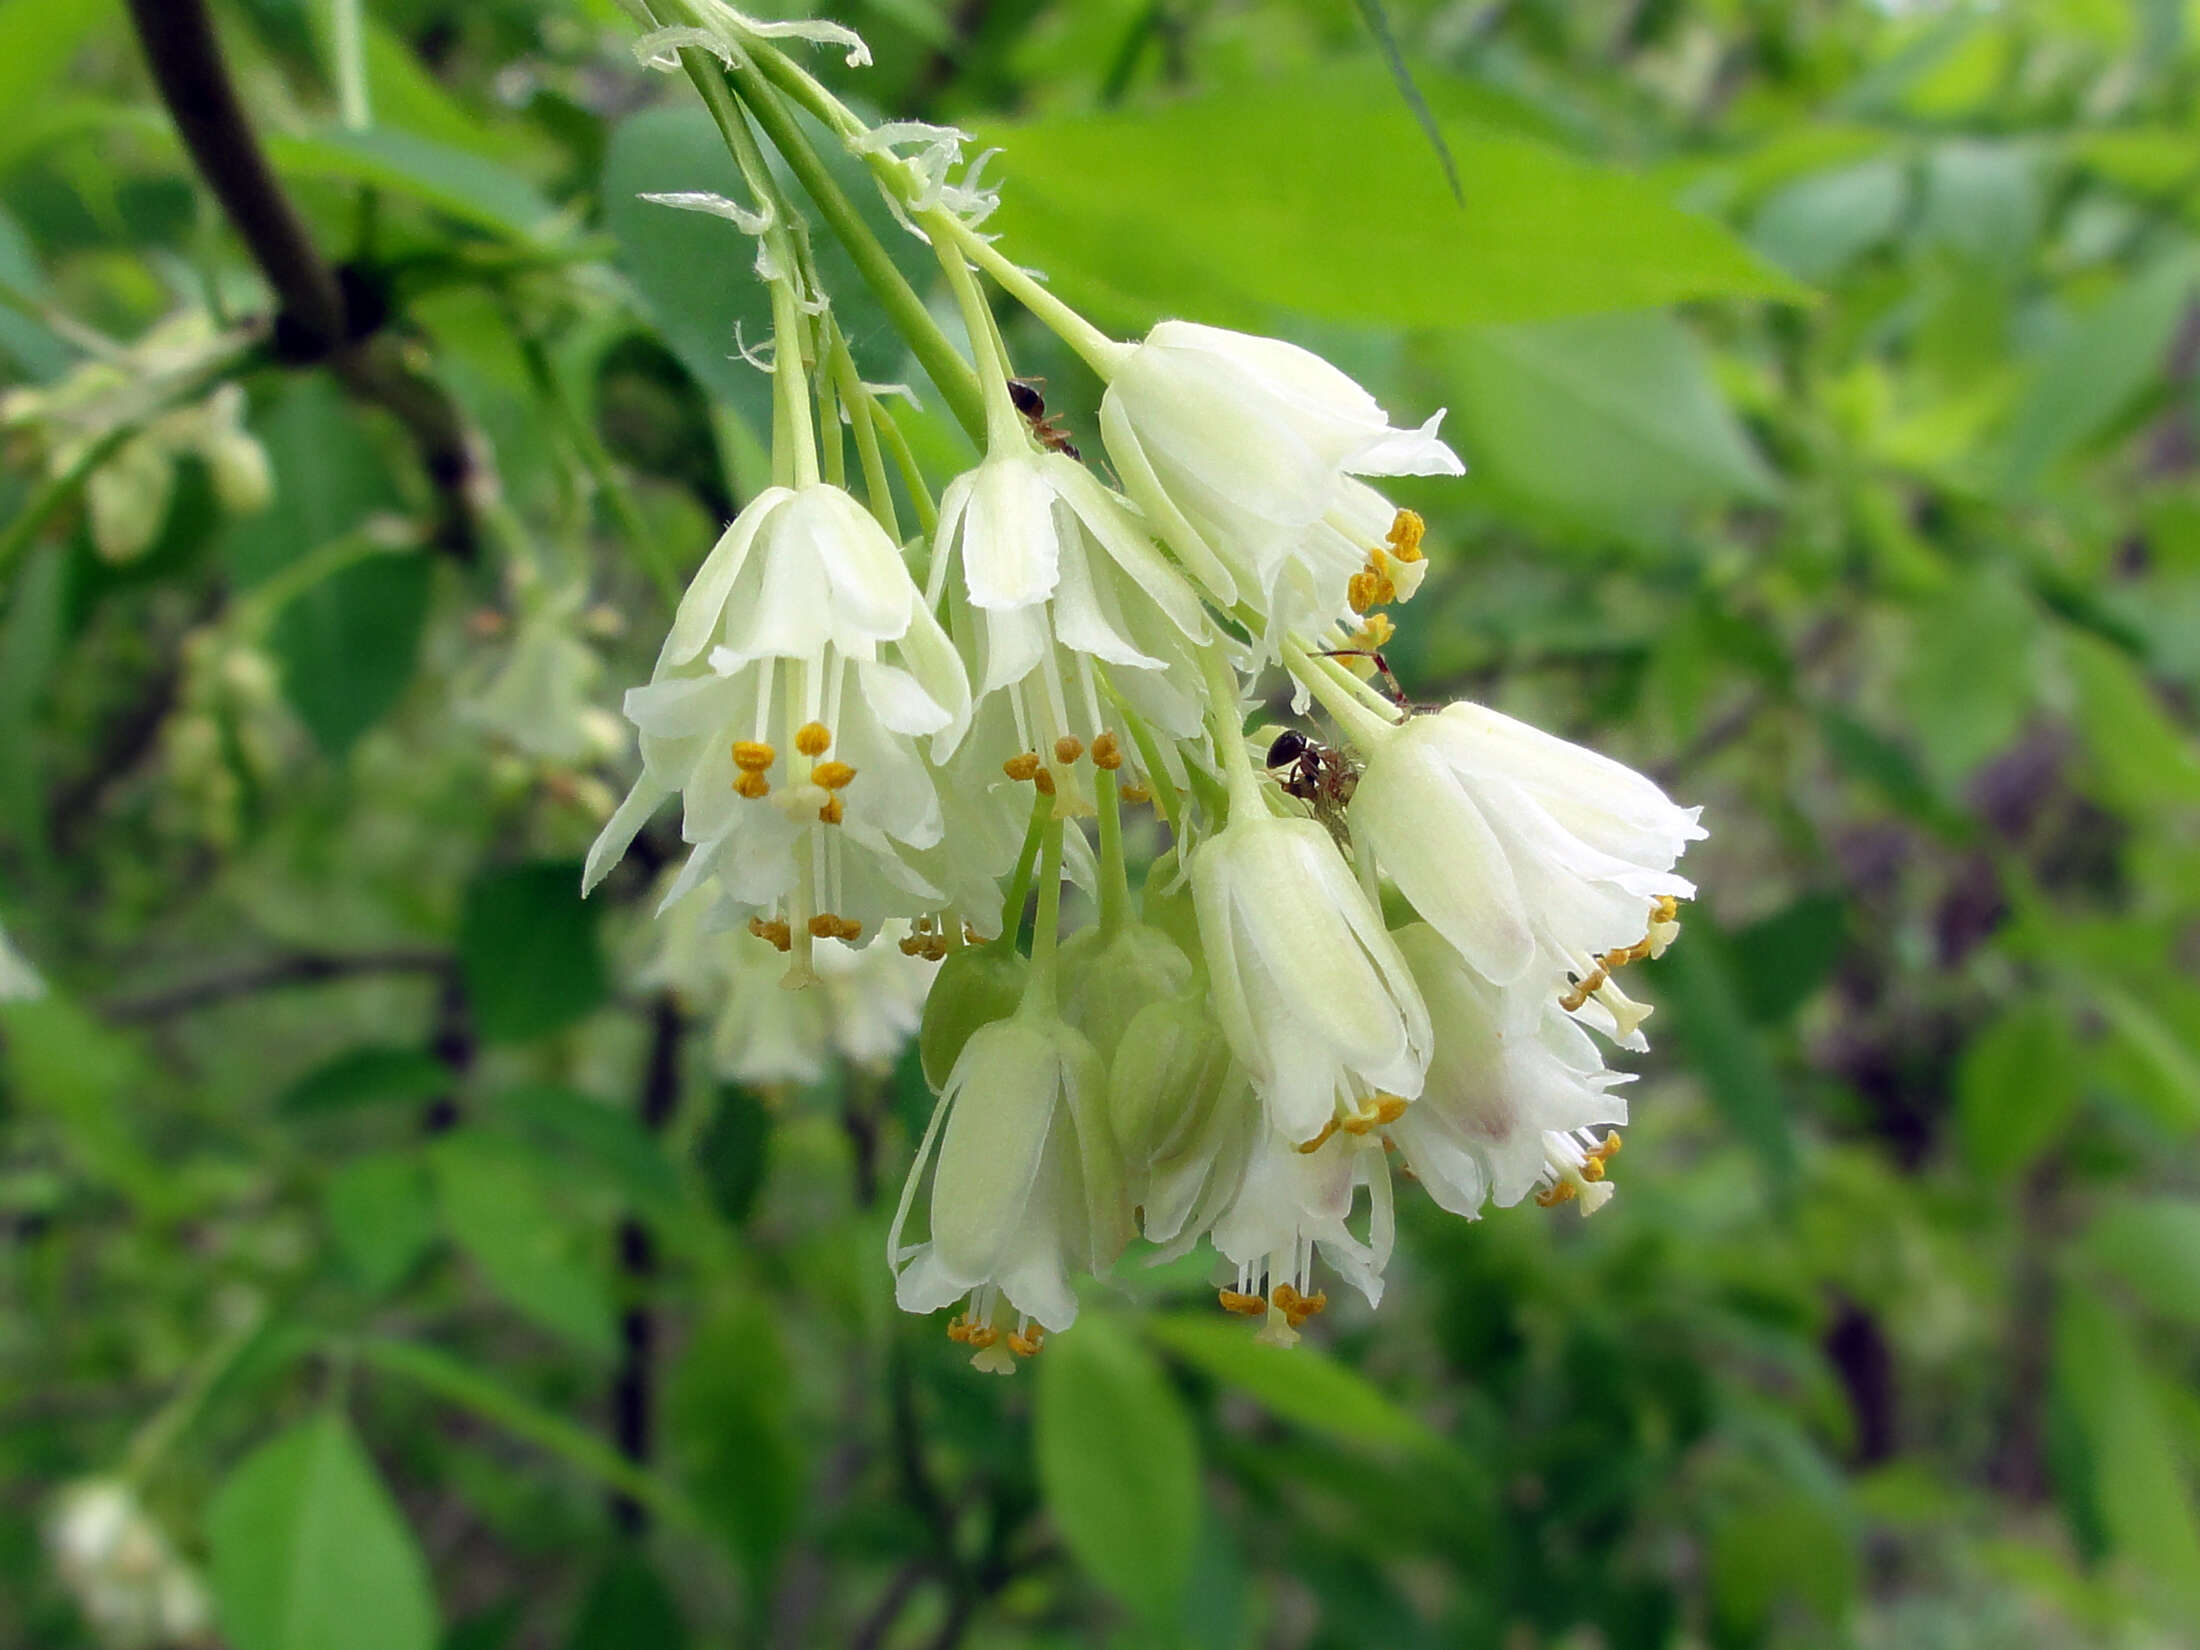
(310, 1553)
(528, 952)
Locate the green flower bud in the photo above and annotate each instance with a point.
(974, 987)
(1105, 982)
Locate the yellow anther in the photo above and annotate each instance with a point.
(1247, 1306)
(1606, 1149)
(971, 936)
(1314, 1145)
(1406, 530)
(752, 785)
(1297, 1308)
(982, 1336)
(849, 930)
(1021, 768)
(1667, 909)
(776, 932)
(1562, 1192)
(1135, 792)
(833, 812)
(824, 926)
(1360, 1122)
(1106, 753)
(913, 945)
(1043, 782)
(813, 739)
(831, 776)
(921, 925)
(1389, 1108)
(1582, 990)
(753, 755)
(1027, 1346)
(1359, 593)
(1068, 749)
(935, 948)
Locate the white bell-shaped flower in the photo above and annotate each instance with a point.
(786, 708)
(1239, 449)
(1048, 578)
(1311, 994)
(1292, 1205)
(1514, 1087)
(1534, 857)
(1026, 1188)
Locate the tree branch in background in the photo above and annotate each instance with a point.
(274, 973)
(633, 1397)
(317, 318)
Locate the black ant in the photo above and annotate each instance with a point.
(1024, 392)
(1318, 775)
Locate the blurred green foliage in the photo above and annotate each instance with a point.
(1827, 378)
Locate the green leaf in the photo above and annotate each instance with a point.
(1982, 201)
(1968, 681)
(380, 1211)
(1609, 423)
(91, 1081)
(2152, 1245)
(497, 1208)
(729, 1432)
(347, 644)
(734, 1151)
(43, 36)
(1884, 765)
(310, 1553)
(2096, 371)
(2161, 1067)
(35, 349)
(2017, 1088)
(629, 1608)
(2141, 1500)
(528, 952)
(612, 1140)
(372, 1075)
(2140, 759)
(1313, 196)
(467, 186)
(1819, 225)
(1118, 1464)
(1781, 960)
(1695, 983)
(1298, 1384)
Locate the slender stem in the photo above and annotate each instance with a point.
(256, 608)
(835, 448)
(1039, 993)
(169, 1422)
(1115, 889)
(1004, 426)
(791, 388)
(957, 381)
(350, 51)
(863, 417)
(1321, 677)
(1228, 721)
(912, 473)
(1100, 352)
(1019, 887)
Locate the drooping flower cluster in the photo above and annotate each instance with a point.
(1393, 945)
(119, 1566)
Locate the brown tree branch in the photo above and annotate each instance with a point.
(270, 974)
(317, 318)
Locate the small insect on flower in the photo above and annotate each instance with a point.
(1319, 775)
(1024, 392)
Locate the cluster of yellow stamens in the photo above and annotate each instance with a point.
(824, 926)
(1663, 915)
(977, 1334)
(928, 939)
(1295, 1307)
(1377, 584)
(1592, 1170)
(1106, 752)
(1382, 1110)
(754, 758)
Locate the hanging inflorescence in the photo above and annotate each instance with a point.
(1391, 948)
